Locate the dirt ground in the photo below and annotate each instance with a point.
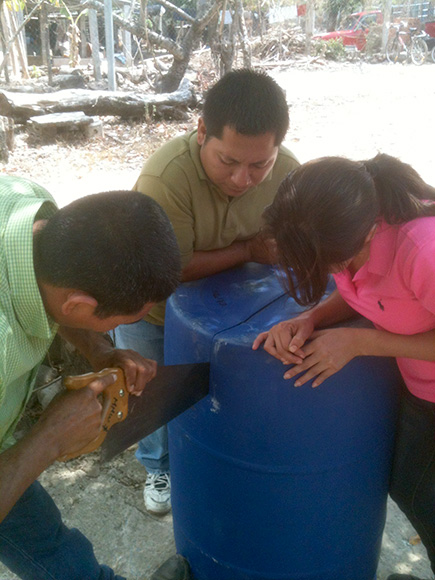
(354, 109)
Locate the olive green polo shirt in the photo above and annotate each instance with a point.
(203, 217)
(26, 331)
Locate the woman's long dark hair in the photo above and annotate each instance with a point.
(324, 210)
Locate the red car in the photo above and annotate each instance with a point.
(354, 29)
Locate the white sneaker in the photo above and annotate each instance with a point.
(157, 493)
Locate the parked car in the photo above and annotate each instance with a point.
(354, 29)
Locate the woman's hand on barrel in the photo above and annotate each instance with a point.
(327, 352)
(285, 340)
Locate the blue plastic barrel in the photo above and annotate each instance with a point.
(270, 481)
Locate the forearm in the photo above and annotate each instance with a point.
(20, 466)
(330, 311)
(374, 342)
(207, 263)
(95, 347)
(71, 421)
(99, 351)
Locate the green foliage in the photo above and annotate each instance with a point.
(332, 49)
(35, 72)
(15, 5)
(342, 6)
(188, 6)
(334, 8)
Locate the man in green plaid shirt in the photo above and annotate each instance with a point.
(101, 261)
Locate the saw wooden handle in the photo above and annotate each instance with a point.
(115, 404)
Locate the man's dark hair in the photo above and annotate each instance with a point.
(249, 102)
(119, 247)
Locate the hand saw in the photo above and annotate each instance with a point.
(127, 418)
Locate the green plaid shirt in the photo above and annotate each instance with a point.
(26, 331)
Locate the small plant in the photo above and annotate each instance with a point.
(35, 72)
(332, 49)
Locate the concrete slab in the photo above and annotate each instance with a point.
(47, 126)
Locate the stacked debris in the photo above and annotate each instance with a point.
(279, 43)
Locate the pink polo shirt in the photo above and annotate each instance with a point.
(395, 289)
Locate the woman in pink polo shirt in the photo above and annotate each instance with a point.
(372, 225)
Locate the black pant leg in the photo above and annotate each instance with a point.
(413, 476)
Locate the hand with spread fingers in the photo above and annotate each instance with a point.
(318, 354)
(326, 353)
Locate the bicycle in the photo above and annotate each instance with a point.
(406, 42)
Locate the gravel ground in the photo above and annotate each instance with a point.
(348, 109)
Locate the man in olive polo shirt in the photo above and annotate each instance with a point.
(214, 184)
(77, 271)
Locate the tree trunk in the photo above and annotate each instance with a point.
(176, 72)
(6, 25)
(386, 23)
(126, 39)
(309, 26)
(7, 43)
(243, 34)
(82, 37)
(22, 106)
(21, 45)
(260, 19)
(215, 37)
(139, 30)
(110, 48)
(45, 42)
(95, 44)
(181, 52)
(5, 51)
(228, 43)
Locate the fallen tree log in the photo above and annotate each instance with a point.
(22, 106)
